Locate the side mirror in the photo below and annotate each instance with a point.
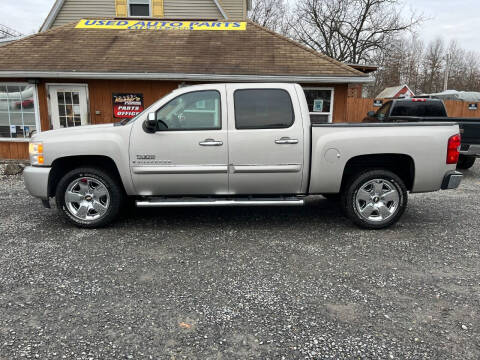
(371, 114)
(150, 125)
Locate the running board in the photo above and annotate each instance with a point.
(166, 202)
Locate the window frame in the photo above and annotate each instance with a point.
(36, 109)
(198, 129)
(332, 98)
(263, 128)
(150, 10)
(49, 105)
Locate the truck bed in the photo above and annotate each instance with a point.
(334, 145)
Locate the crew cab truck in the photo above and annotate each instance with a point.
(427, 109)
(239, 144)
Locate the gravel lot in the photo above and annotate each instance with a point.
(228, 283)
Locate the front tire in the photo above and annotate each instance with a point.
(89, 197)
(374, 199)
(465, 162)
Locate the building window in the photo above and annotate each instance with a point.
(320, 104)
(139, 8)
(18, 110)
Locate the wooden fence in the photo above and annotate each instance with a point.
(13, 150)
(357, 109)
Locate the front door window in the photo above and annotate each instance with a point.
(198, 110)
(69, 108)
(68, 105)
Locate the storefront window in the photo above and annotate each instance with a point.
(320, 104)
(17, 110)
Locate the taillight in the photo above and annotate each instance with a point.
(453, 149)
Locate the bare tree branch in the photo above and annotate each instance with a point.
(349, 30)
(270, 13)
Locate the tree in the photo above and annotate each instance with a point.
(350, 30)
(433, 66)
(400, 62)
(373, 31)
(463, 68)
(271, 14)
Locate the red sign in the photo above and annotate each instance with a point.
(127, 106)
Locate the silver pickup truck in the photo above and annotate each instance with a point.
(240, 144)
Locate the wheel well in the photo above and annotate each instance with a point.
(65, 164)
(401, 165)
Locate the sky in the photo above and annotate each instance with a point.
(452, 20)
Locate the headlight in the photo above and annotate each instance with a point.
(36, 153)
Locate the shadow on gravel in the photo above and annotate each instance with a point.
(317, 211)
(470, 173)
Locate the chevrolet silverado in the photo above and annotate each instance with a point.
(240, 144)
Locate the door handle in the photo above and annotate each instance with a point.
(286, 140)
(210, 142)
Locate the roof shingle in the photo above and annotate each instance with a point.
(256, 51)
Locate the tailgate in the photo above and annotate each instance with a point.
(470, 130)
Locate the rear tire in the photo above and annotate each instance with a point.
(465, 162)
(374, 199)
(89, 197)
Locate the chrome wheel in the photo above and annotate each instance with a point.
(87, 198)
(377, 200)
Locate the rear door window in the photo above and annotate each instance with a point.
(263, 109)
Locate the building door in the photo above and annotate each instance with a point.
(266, 139)
(68, 105)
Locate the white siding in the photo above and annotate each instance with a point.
(73, 10)
(191, 9)
(235, 9)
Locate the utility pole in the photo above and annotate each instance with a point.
(446, 73)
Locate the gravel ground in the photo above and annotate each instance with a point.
(229, 283)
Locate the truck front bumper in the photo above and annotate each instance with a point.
(36, 181)
(452, 180)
